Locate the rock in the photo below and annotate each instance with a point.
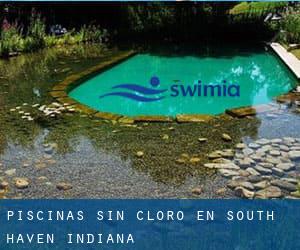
(263, 141)
(268, 193)
(263, 170)
(256, 157)
(228, 172)
(221, 160)
(221, 191)
(294, 155)
(165, 137)
(243, 193)
(286, 166)
(197, 191)
(221, 166)
(181, 161)
(244, 173)
(226, 137)
(254, 178)
(290, 180)
(4, 185)
(236, 183)
(10, 172)
(254, 146)
(274, 153)
(284, 185)
(273, 160)
(21, 183)
(139, 154)
(214, 155)
(266, 164)
(276, 141)
(240, 146)
(264, 149)
(248, 151)
(64, 186)
(289, 140)
(252, 171)
(195, 160)
(227, 154)
(202, 139)
(261, 185)
(245, 163)
(284, 148)
(277, 171)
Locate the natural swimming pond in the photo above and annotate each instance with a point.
(151, 84)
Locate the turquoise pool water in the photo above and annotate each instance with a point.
(145, 83)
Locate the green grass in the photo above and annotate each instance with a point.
(296, 52)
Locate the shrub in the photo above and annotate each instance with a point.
(92, 33)
(291, 29)
(36, 33)
(10, 40)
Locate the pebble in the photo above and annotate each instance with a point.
(165, 137)
(21, 183)
(197, 191)
(202, 139)
(226, 137)
(221, 191)
(221, 166)
(139, 154)
(64, 186)
(261, 184)
(195, 160)
(10, 172)
(228, 172)
(275, 153)
(240, 146)
(4, 185)
(248, 151)
(236, 183)
(214, 155)
(254, 146)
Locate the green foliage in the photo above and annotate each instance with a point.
(291, 29)
(92, 33)
(149, 17)
(256, 7)
(35, 34)
(11, 41)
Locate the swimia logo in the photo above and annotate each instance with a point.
(151, 94)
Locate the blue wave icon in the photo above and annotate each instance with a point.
(141, 93)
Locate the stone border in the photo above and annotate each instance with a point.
(60, 93)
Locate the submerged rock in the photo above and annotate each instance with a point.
(226, 137)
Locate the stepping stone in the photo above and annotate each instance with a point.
(277, 171)
(275, 153)
(269, 192)
(263, 170)
(236, 183)
(290, 180)
(240, 146)
(228, 172)
(255, 178)
(261, 185)
(276, 141)
(284, 185)
(254, 146)
(286, 166)
(284, 148)
(248, 151)
(252, 171)
(263, 141)
(243, 193)
(294, 155)
(266, 165)
(245, 163)
(273, 160)
(222, 166)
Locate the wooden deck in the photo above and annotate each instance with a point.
(288, 58)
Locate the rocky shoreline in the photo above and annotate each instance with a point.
(263, 169)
